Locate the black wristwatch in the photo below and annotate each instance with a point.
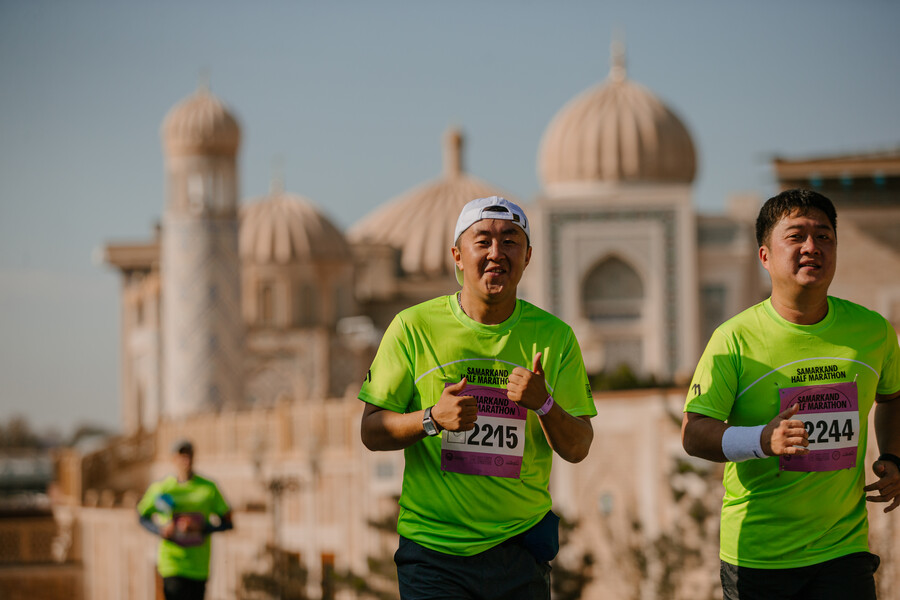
(891, 458)
(430, 425)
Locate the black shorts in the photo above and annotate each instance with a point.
(851, 576)
(183, 588)
(508, 571)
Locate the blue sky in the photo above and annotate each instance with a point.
(352, 99)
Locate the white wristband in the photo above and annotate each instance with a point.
(742, 443)
(545, 407)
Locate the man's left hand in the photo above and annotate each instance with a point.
(528, 388)
(887, 486)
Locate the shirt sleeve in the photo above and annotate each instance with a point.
(573, 389)
(147, 506)
(889, 381)
(714, 386)
(389, 383)
(220, 506)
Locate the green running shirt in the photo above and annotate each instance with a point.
(195, 500)
(774, 518)
(434, 344)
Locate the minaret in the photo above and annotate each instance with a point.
(617, 71)
(201, 318)
(453, 153)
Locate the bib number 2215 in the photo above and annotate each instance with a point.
(493, 436)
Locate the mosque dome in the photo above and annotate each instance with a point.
(284, 228)
(617, 131)
(200, 124)
(420, 222)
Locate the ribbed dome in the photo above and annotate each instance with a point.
(282, 228)
(420, 222)
(616, 131)
(200, 124)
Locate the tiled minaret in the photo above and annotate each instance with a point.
(201, 316)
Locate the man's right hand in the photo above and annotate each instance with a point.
(783, 434)
(454, 412)
(167, 530)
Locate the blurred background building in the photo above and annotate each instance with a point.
(247, 326)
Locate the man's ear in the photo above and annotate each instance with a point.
(764, 257)
(457, 257)
(528, 256)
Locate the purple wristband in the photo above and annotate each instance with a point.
(545, 408)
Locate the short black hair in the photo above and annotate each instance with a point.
(785, 203)
(183, 446)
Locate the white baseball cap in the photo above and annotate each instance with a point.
(493, 207)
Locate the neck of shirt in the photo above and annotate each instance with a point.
(486, 313)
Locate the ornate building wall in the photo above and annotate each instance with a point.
(651, 230)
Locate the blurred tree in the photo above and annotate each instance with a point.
(17, 434)
(680, 562)
(569, 580)
(284, 578)
(380, 583)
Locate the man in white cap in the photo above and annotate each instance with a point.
(479, 389)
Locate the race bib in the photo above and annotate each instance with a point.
(830, 414)
(188, 529)
(496, 445)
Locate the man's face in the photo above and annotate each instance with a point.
(492, 255)
(184, 463)
(801, 253)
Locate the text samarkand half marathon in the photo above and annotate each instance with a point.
(825, 373)
(487, 376)
(496, 406)
(821, 401)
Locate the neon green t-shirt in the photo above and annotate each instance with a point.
(190, 502)
(780, 513)
(465, 493)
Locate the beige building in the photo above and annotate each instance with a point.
(248, 327)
